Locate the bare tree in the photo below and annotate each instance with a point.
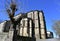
(56, 27)
(11, 12)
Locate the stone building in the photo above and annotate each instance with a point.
(49, 34)
(38, 25)
(32, 24)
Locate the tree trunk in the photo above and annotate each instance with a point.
(15, 32)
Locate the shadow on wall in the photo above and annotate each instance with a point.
(22, 38)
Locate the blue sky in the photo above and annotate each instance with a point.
(51, 9)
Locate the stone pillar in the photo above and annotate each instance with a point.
(42, 25)
(36, 22)
(10, 35)
(34, 16)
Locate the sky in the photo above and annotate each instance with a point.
(51, 9)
